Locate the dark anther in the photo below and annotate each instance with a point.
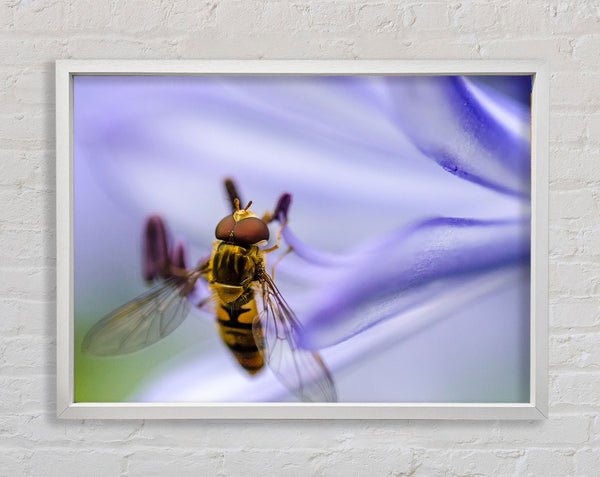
(281, 209)
(155, 249)
(178, 255)
(232, 193)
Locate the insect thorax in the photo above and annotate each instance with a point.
(234, 269)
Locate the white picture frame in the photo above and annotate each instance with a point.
(537, 408)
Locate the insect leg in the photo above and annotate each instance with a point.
(276, 246)
(190, 276)
(179, 272)
(200, 270)
(280, 211)
(281, 257)
(202, 303)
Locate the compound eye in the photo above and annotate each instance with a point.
(225, 228)
(250, 231)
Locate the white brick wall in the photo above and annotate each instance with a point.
(35, 33)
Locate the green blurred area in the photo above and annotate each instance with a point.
(117, 379)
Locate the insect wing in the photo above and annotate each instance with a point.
(275, 332)
(141, 322)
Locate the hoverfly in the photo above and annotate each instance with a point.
(235, 274)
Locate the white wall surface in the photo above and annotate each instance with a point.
(36, 33)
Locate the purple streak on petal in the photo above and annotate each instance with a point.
(155, 249)
(503, 124)
(384, 280)
(311, 254)
(449, 164)
(477, 134)
(516, 87)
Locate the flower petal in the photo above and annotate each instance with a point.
(471, 131)
(388, 278)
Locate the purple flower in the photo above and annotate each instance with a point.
(410, 218)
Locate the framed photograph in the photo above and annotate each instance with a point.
(302, 239)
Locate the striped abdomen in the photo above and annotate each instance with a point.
(235, 327)
(233, 272)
